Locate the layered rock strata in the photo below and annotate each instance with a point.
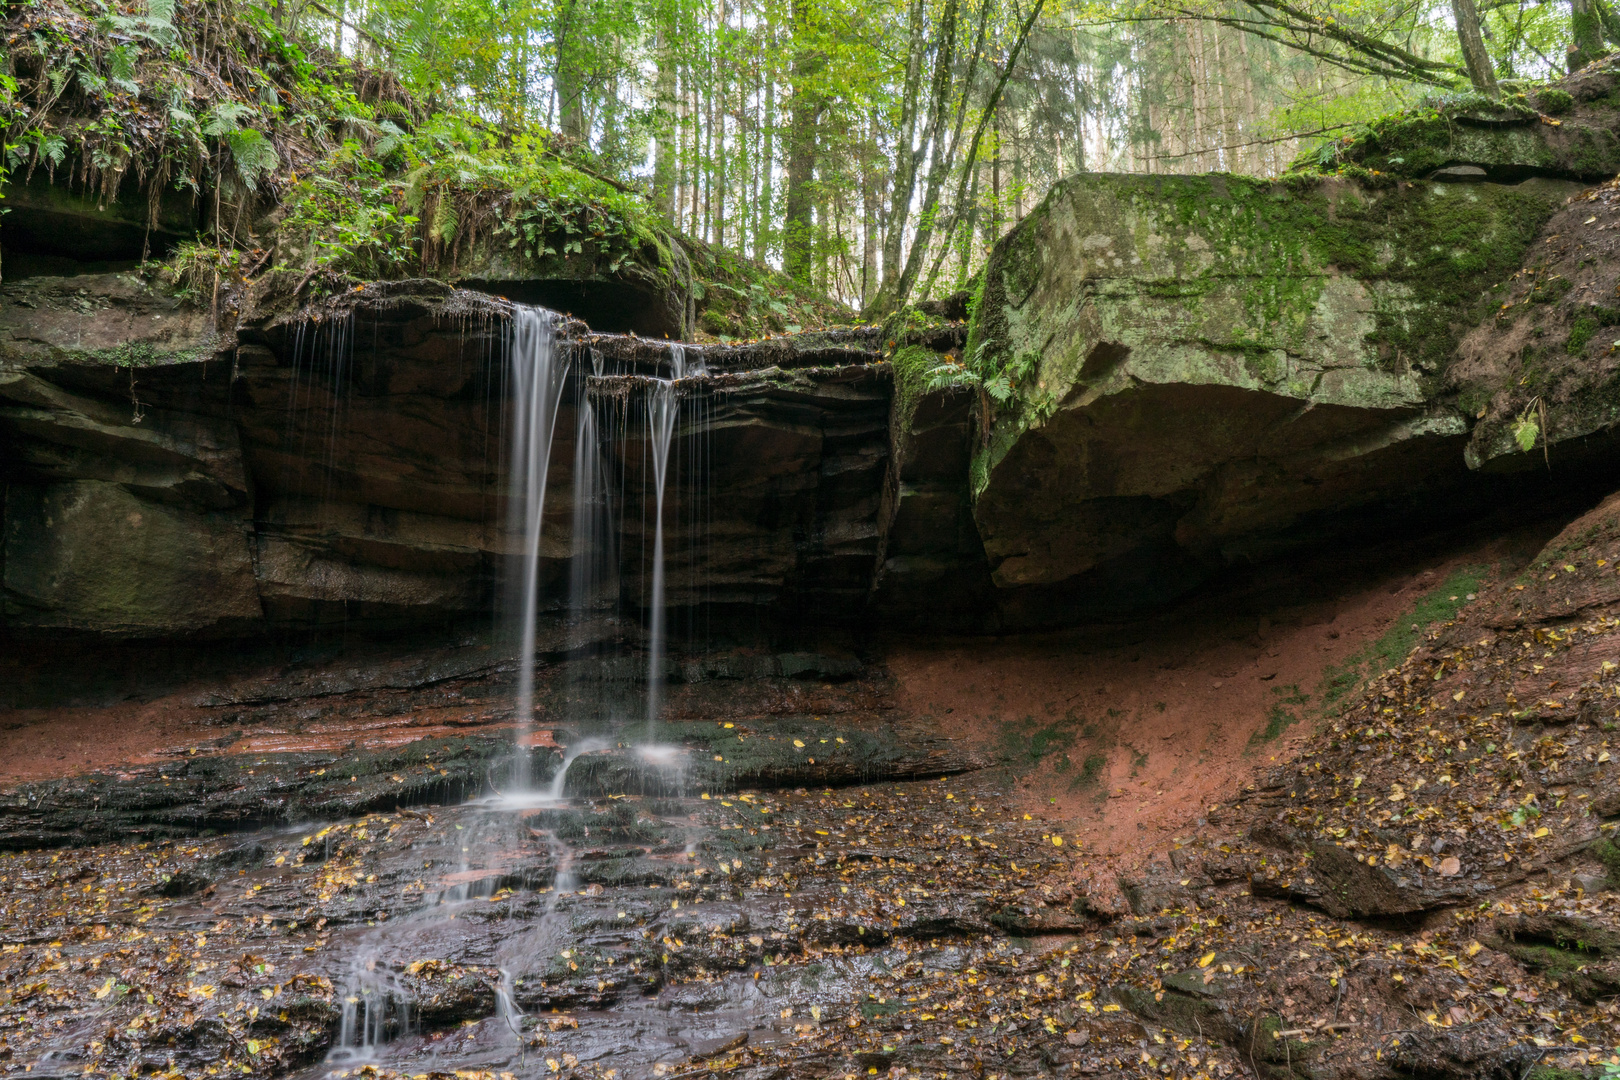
(1174, 375)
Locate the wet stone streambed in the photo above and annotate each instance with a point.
(628, 915)
(633, 934)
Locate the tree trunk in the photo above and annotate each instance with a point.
(668, 123)
(964, 258)
(1586, 33)
(694, 170)
(992, 221)
(767, 154)
(804, 113)
(1480, 69)
(722, 67)
(570, 80)
(1609, 20)
(907, 154)
(920, 248)
(1250, 124)
(871, 207)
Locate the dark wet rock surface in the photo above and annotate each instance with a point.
(621, 930)
(928, 925)
(208, 794)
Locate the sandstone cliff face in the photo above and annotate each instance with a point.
(1548, 355)
(344, 464)
(1203, 371)
(1211, 368)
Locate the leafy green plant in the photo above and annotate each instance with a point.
(196, 269)
(998, 383)
(34, 148)
(1528, 427)
(156, 26)
(353, 225)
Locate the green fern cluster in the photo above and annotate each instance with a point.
(111, 95)
(417, 201)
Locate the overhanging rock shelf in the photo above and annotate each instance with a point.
(1208, 370)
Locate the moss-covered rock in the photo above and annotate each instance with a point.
(1204, 363)
(1541, 373)
(90, 555)
(1569, 129)
(112, 319)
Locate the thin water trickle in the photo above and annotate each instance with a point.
(554, 793)
(539, 372)
(375, 1010)
(663, 410)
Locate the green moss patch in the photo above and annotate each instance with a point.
(1439, 605)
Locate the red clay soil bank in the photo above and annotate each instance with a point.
(1177, 714)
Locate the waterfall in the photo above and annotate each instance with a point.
(377, 1002)
(592, 536)
(539, 372)
(663, 409)
(376, 1010)
(318, 388)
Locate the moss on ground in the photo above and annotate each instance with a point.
(1439, 605)
(1279, 718)
(1027, 742)
(1608, 853)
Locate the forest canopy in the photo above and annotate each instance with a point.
(869, 149)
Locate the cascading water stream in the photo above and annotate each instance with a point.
(375, 1010)
(663, 410)
(539, 372)
(377, 1002)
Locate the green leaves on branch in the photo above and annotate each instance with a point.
(155, 27)
(1530, 424)
(253, 154)
(352, 225)
(417, 201)
(225, 118)
(35, 148)
(121, 68)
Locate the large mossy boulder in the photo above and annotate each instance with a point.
(1210, 367)
(1566, 129)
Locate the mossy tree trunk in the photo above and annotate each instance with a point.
(1480, 69)
(804, 113)
(1586, 33)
